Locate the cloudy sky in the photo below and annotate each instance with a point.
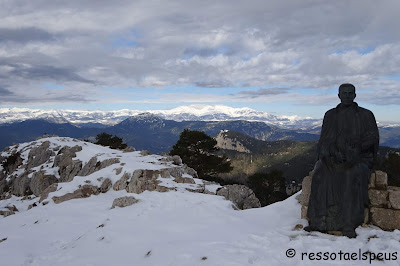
(284, 57)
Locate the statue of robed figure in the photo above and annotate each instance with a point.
(347, 149)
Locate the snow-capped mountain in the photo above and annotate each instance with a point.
(182, 113)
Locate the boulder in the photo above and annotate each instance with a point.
(68, 168)
(39, 155)
(143, 180)
(6, 213)
(20, 186)
(145, 153)
(124, 201)
(11, 163)
(386, 219)
(123, 181)
(242, 196)
(93, 166)
(53, 187)
(176, 160)
(129, 149)
(83, 192)
(40, 181)
(106, 185)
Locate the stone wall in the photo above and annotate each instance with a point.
(384, 209)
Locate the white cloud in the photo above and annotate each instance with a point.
(303, 44)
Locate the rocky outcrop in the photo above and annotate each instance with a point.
(53, 187)
(39, 155)
(124, 201)
(68, 168)
(93, 166)
(20, 185)
(40, 181)
(224, 142)
(83, 192)
(143, 180)
(106, 185)
(242, 196)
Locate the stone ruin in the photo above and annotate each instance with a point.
(384, 208)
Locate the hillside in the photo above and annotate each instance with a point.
(144, 131)
(174, 224)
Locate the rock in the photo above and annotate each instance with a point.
(394, 198)
(304, 210)
(71, 171)
(11, 163)
(20, 186)
(143, 180)
(3, 185)
(89, 167)
(39, 155)
(6, 213)
(145, 153)
(129, 149)
(32, 206)
(386, 219)
(189, 171)
(68, 168)
(242, 196)
(305, 191)
(124, 201)
(53, 187)
(118, 170)
(186, 180)
(93, 166)
(176, 159)
(107, 184)
(122, 182)
(12, 208)
(83, 192)
(40, 181)
(381, 180)
(378, 198)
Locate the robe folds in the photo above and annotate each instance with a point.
(347, 149)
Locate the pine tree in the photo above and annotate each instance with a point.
(113, 142)
(268, 187)
(197, 151)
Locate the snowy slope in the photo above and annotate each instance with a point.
(170, 228)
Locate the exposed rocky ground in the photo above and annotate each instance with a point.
(60, 169)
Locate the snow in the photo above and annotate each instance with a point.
(171, 228)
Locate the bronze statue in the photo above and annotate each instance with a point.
(347, 150)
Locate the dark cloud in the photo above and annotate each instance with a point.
(260, 93)
(5, 92)
(24, 35)
(44, 72)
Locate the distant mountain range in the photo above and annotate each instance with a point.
(145, 131)
(182, 113)
(157, 131)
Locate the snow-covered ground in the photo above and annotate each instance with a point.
(172, 228)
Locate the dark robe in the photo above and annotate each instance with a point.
(347, 150)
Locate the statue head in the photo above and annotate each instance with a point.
(347, 93)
